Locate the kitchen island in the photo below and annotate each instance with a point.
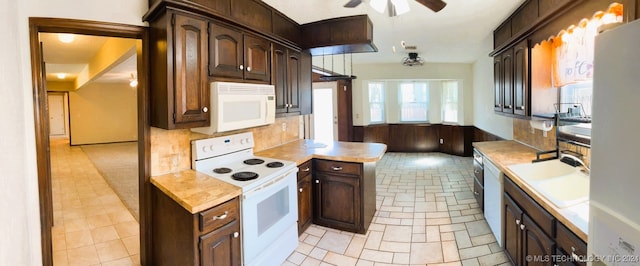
(336, 182)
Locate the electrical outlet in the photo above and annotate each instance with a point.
(284, 126)
(441, 141)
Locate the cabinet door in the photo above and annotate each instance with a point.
(257, 58)
(535, 243)
(305, 197)
(512, 232)
(221, 246)
(337, 201)
(507, 81)
(191, 92)
(225, 52)
(280, 77)
(478, 193)
(446, 135)
(497, 83)
(293, 80)
(521, 88)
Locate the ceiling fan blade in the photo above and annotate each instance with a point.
(353, 3)
(435, 5)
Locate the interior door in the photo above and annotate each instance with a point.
(57, 114)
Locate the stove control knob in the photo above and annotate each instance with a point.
(241, 141)
(248, 140)
(211, 147)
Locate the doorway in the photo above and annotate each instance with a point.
(325, 110)
(44, 122)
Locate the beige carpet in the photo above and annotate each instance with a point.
(118, 164)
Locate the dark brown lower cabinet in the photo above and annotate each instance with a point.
(337, 201)
(525, 243)
(222, 246)
(305, 197)
(344, 195)
(572, 249)
(210, 237)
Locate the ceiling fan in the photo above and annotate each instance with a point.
(397, 7)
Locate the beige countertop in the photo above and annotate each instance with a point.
(194, 191)
(507, 152)
(197, 192)
(302, 150)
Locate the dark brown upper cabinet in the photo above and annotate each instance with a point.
(353, 34)
(512, 83)
(179, 91)
(237, 55)
(292, 80)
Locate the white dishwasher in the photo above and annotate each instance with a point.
(493, 206)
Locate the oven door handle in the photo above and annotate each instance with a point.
(276, 181)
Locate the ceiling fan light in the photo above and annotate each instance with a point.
(378, 5)
(401, 6)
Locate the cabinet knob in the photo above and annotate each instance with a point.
(476, 193)
(249, 69)
(476, 171)
(317, 181)
(508, 106)
(336, 168)
(306, 169)
(521, 226)
(300, 189)
(236, 234)
(221, 216)
(497, 105)
(205, 109)
(520, 107)
(241, 67)
(517, 221)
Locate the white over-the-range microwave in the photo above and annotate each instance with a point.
(240, 105)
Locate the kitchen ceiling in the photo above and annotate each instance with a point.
(453, 35)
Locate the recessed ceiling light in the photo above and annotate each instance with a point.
(66, 37)
(61, 75)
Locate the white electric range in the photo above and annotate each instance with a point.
(269, 206)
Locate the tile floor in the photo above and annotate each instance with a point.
(91, 224)
(427, 215)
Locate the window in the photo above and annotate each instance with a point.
(450, 101)
(577, 93)
(414, 102)
(376, 102)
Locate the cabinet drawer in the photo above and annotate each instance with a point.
(478, 193)
(569, 243)
(304, 169)
(538, 214)
(338, 167)
(218, 216)
(478, 172)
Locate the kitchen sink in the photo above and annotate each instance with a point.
(542, 170)
(561, 184)
(565, 191)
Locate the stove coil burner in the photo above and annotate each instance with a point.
(244, 176)
(275, 164)
(253, 161)
(222, 170)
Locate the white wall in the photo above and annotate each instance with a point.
(483, 115)
(428, 71)
(103, 113)
(20, 225)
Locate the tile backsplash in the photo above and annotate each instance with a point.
(523, 132)
(171, 149)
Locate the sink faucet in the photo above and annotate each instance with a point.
(587, 170)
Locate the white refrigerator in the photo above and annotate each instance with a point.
(614, 211)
